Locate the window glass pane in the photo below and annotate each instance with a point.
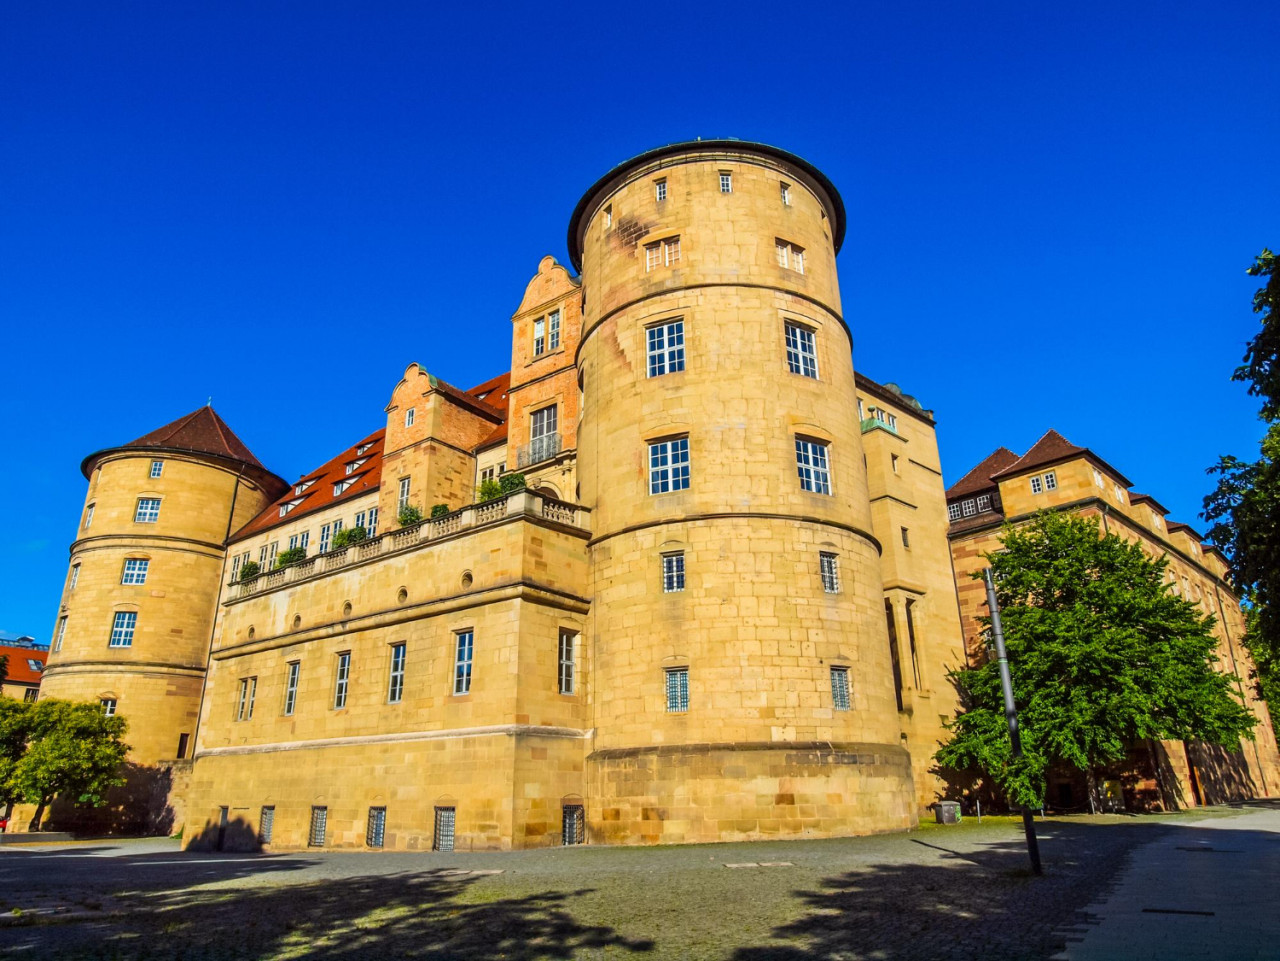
(672, 572)
(122, 628)
(811, 464)
(830, 572)
(669, 466)
(802, 353)
(443, 840)
(666, 348)
(376, 830)
(319, 824)
(678, 690)
(840, 688)
(462, 663)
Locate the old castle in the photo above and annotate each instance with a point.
(723, 607)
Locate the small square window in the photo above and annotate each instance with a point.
(677, 690)
(672, 573)
(157, 468)
(726, 182)
(984, 502)
(1051, 481)
(953, 511)
(135, 571)
(829, 568)
(108, 706)
(1037, 486)
(660, 189)
(969, 507)
(840, 688)
(148, 511)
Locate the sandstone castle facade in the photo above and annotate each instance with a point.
(722, 608)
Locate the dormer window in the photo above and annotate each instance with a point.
(341, 486)
(302, 486)
(285, 508)
(355, 465)
(362, 448)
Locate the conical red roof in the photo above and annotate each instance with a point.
(202, 431)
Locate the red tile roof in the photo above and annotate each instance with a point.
(979, 478)
(18, 671)
(1049, 449)
(202, 431)
(320, 482)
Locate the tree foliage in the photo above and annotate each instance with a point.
(1244, 509)
(1102, 654)
(512, 482)
(74, 750)
(439, 510)
(490, 490)
(15, 729)
(349, 536)
(409, 515)
(249, 570)
(291, 556)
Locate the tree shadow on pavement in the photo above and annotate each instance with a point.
(428, 915)
(979, 904)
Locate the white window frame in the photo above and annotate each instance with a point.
(726, 182)
(1037, 485)
(157, 468)
(539, 337)
(1097, 479)
(248, 694)
(813, 464)
(984, 503)
(123, 626)
(108, 706)
(395, 677)
(566, 659)
(135, 570)
(829, 571)
(553, 330)
(75, 576)
(88, 515)
(61, 634)
(665, 347)
(790, 256)
(373, 522)
(969, 507)
(324, 538)
(405, 491)
(291, 688)
(660, 189)
(463, 661)
(785, 189)
(802, 349)
(673, 572)
(408, 417)
(1050, 481)
(1119, 493)
(342, 681)
(953, 511)
(147, 511)
(669, 465)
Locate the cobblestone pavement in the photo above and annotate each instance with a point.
(1209, 892)
(954, 892)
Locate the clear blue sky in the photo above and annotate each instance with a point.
(281, 205)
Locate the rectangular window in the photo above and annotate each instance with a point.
(248, 694)
(886, 418)
(266, 823)
(30, 695)
(662, 253)
(660, 190)
(108, 706)
(319, 823)
(677, 690)
(553, 330)
(373, 522)
(148, 511)
(404, 493)
(568, 645)
(359, 523)
(608, 216)
(235, 566)
(802, 351)
(408, 417)
(1120, 493)
(374, 833)
(262, 558)
(122, 628)
(291, 687)
(61, 633)
(893, 462)
(1097, 478)
(789, 255)
(75, 576)
(157, 468)
(652, 256)
(666, 348)
(672, 573)
(906, 537)
(573, 825)
(443, 840)
(462, 662)
(342, 680)
(829, 568)
(840, 688)
(786, 193)
(984, 502)
(395, 684)
(669, 465)
(726, 182)
(953, 511)
(812, 466)
(88, 516)
(324, 538)
(543, 423)
(539, 336)
(1051, 481)
(183, 740)
(1037, 486)
(970, 507)
(271, 554)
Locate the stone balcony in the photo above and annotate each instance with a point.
(521, 504)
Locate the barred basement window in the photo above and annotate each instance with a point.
(828, 567)
(266, 823)
(374, 833)
(840, 688)
(395, 686)
(443, 840)
(319, 822)
(573, 825)
(677, 690)
(568, 644)
(672, 572)
(802, 353)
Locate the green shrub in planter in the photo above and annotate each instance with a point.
(512, 482)
(249, 570)
(348, 536)
(291, 556)
(439, 510)
(490, 489)
(409, 515)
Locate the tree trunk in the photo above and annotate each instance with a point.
(38, 816)
(1092, 781)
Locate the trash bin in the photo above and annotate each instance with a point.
(947, 812)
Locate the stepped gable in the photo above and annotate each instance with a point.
(980, 477)
(317, 486)
(201, 431)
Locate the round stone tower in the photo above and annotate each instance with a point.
(742, 683)
(138, 606)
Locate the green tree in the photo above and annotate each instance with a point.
(1102, 655)
(1244, 509)
(73, 750)
(15, 729)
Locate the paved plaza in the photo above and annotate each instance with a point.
(1200, 885)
